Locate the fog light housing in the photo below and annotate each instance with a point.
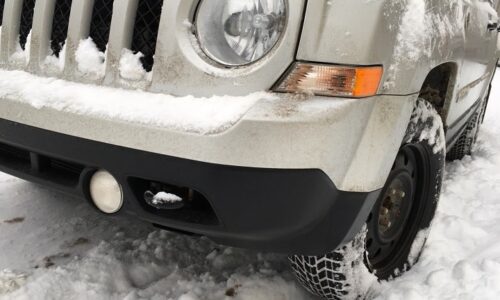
(106, 192)
(331, 80)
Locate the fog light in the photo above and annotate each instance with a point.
(332, 80)
(106, 192)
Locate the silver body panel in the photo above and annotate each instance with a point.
(353, 141)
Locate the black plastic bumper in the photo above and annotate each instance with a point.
(289, 211)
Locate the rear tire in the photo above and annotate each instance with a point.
(396, 231)
(468, 138)
(485, 106)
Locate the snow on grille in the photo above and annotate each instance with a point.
(91, 55)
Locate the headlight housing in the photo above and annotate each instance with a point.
(239, 32)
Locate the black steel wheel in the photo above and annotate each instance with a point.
(397, 228)
(402, 211)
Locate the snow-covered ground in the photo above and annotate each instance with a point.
(56, 247)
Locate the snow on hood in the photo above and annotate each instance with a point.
(188, 114)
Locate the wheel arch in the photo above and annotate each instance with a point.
(438, 87)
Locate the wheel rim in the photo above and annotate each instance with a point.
(395, 220)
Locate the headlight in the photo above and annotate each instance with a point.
(239, 32)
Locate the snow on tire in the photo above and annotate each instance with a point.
(397, 228)
(340, 274)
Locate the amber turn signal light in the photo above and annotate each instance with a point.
(329, 80)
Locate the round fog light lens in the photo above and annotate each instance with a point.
(239, 32)
(106, 192)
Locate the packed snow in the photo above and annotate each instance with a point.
(56, 247)
(89, 59)
(426, 114)
(56, 62)
(21, 55)
(131, 67)
(187, 114)
(163, 197)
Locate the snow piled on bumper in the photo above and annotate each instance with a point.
(187, 114)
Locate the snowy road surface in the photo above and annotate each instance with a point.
(55, 247)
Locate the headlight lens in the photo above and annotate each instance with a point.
(239, 32)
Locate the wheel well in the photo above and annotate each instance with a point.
(438, 87)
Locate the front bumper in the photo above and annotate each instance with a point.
(354, 142)
(289, 211)
(291, 174)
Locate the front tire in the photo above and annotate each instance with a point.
(397, 228)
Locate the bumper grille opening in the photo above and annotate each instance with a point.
(2, 5)
(65, 167)
(47, 168)
(60, 26)
(196, 210)
(14, 154)
(101, 23)
(147, 24)
(26, 21)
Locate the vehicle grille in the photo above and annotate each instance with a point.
(147, 23)
(134, 25)
(60, 25)
(26, 21)
(101, 23)
(2, 3)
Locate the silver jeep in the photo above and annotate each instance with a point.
(318, 128)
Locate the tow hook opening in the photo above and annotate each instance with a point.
(163, 200)
(172, 201)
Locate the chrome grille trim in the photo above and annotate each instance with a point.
(10, 29)
(120, 37)
(40, 35)
(79, 26)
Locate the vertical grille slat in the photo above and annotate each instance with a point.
(2, 5)
(60, 25)
(101, 23)
(26, 21)
(147, 24)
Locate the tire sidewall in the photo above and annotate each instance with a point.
(424, 132)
